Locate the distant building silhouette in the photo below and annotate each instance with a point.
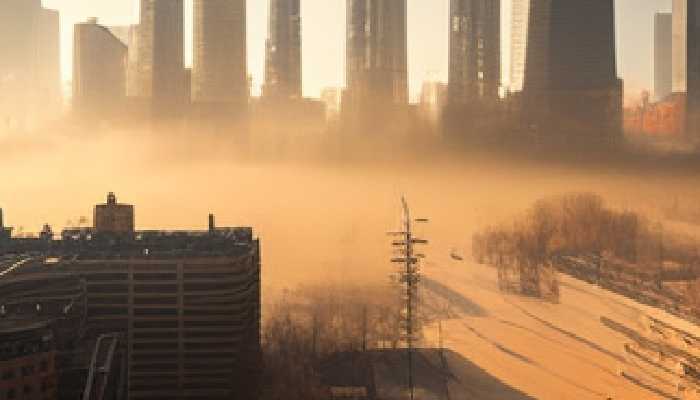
(693, 70)
(572, 94)
(376, 61)
(30, 84)
(283, 50)
(680, 44)
(99, 71)
(219, 72)
(474, 65)
(663, 55)
(520, 10)
(160, 69)
(475, 52)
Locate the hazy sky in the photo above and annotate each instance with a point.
(324, 37)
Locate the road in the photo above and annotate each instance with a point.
(547, 351)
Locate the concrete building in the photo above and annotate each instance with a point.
(30, 87)
(219, 70)
(27, 362)
(160, 67)
(693, 71)
(572, 95)
(283, 51)
(680, 44)
(376, 60)
(99, 71)
(663, 55)
(186, 303)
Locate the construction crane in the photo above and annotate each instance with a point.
(408, 276)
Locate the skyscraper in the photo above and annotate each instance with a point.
(680, 44)
(219, 73)
(571, 89)
(283, 50)
(663, 55)
(475, 52)
(520, 11)
(160, 62)
(30, 87)
(376, 61)
(99, 71)
(693, 70)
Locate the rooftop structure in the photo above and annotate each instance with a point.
(113, 217)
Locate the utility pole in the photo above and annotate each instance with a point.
(409, 275)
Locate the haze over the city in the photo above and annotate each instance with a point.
(324, 38)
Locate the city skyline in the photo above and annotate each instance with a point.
(324, 39)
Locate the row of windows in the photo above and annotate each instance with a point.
(12, 393)
(24, 371)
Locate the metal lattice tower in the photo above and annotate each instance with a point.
(408, 276)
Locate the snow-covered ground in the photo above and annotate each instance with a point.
(547, 351)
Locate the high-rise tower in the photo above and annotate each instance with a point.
(30, 87)
(376, 62)
(680, 44)
(663, 55)
(571, 89)
(475, 52)
(219, 72)
(161, 62)
(283, 50)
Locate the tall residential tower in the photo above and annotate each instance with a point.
(663, 55)
(571, 91)
(219, 71)
(475, 52)
(376, 61)
(283, 51)
(161, 63)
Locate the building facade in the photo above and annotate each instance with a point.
(376, 61)
(475, 52)
(571, 89)
(186, 304)
(219, 71)
(283, 51)
(680, 44)
(99, 71)
(30, 85)
(520, 12)
(663, 55)
(160, 69)
(27, 362)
